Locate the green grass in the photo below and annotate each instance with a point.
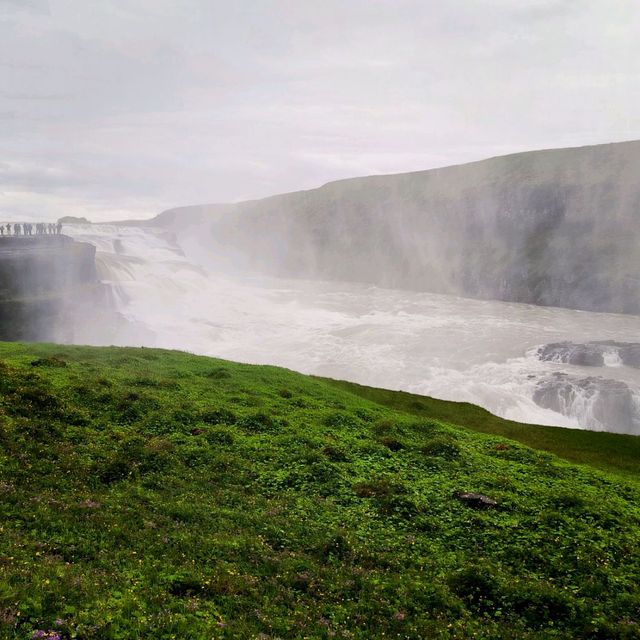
(155, 494)
(614, 452)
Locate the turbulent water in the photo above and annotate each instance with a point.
(448, 347)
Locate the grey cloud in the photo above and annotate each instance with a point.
(31, 96)
(27, 6)
(135, 104)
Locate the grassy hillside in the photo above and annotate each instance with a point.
(154, 494)
(607, 451)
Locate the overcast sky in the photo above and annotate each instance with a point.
(122, 108)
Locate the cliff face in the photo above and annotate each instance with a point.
(555, 228)
(45, 281)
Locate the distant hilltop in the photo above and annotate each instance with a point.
(555, 227)
(73, 220)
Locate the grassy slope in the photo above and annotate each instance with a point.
(608, 451)
(153, 494)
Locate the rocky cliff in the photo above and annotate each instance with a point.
(45, 283)
(557, 228)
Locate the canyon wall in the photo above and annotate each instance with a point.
(557, 228)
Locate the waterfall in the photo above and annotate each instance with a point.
(485, 352)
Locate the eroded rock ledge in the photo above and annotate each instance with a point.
(45, 281)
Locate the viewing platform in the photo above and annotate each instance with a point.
(44, 242)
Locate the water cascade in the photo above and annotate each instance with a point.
(513, 359)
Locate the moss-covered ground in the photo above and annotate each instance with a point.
(155, 494)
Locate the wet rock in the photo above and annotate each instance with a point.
(592, 354)
(597, 403)
(630, 355)
(476, 500)
(583, 355)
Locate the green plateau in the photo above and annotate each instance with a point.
(147, 493)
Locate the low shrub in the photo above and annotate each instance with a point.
(391, 443)
(53, 361)
(259, 423)
(341, 420)
(541, 603)
(219, 373)
(335, 453)
(219, 436)
(218, 416)
(441, 447)
(478, 587)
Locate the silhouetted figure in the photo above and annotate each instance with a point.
(59, 228)
(16, 229)
(1, 229)
(8, 228)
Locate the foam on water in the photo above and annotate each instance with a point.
(452, 348)
(612, 357)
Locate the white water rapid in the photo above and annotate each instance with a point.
(483, 352)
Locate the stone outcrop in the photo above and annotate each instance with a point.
(592, 354)
(599, 403)
(476, 500)
(45, 284)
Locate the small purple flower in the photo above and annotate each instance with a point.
(59, 622)
(46, 635)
